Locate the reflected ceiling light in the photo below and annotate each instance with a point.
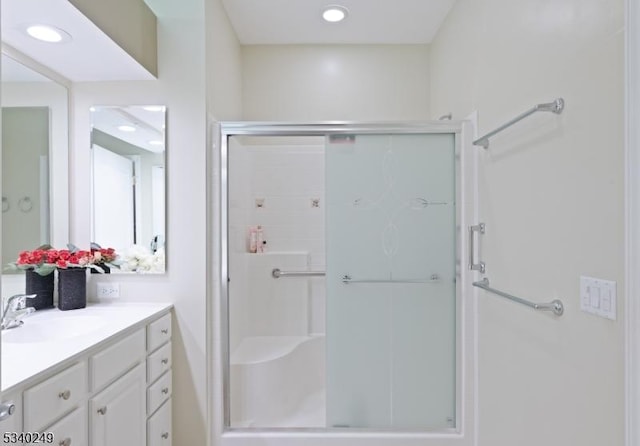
(126, 128)
(334, 13)
(47, 33)
(154, 108)
(156, 142)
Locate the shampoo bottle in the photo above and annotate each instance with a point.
(253, 239)
(260, 239)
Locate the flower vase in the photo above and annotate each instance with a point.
(104, 267)
(72, 288)
(42, 287)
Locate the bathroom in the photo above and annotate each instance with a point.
(545, 186)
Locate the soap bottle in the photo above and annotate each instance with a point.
(260, 239)
(253, 239)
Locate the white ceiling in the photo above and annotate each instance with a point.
(90, 55)
(149, 125)
(368, 22)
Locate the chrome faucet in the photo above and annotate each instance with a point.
(14, 309)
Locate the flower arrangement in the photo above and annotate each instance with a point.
(45, 259)
(142, 260)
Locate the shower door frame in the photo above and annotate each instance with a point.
(465, 431)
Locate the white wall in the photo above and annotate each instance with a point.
(335, 82)
(181, 87)
(552, 199)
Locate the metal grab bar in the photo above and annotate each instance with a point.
(555, 305)
(276, 273)
(556, 107)
(346, 279)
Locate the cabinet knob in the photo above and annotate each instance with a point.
(65, 395)
(65, 442)
(165, 390)
(165, 435)
(165, 360)
(6, 410)
(102, 410)
(164, 331)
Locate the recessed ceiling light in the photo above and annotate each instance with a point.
(156, 142)
(126, 128)
(154, 108)
(335, 13)
(47, 33)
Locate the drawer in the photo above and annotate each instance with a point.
(114, 361)
(158, 332)
(158, 362)
(159, 426)
(159, 392)
(11, 403)
(47, 401)
(72, 429)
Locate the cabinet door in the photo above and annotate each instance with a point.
(118, 413)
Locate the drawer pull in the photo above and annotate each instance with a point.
(65, 395)
(165, 360)
(65, 442)
(165, 435)
(165, 390)
(6, 410)
(164, 331)
(102, 410)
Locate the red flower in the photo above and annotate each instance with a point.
(61, 263)
(52, 256)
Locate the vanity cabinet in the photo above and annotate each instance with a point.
(159, 375)
(116, 395)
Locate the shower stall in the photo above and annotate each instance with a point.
(346, 305)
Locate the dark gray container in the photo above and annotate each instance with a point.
(72, 288)
(42, 287)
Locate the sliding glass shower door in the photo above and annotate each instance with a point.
(339, 277)
(391, 269)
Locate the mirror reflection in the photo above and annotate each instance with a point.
(34, 159)
(128, 192)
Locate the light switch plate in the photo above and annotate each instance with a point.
(598, 296)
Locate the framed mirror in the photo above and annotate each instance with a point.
(35, 141)
(128, 185)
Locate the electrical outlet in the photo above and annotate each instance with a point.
(108, 290)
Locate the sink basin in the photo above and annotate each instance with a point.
(52, 329)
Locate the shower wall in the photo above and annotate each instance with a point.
(278, 184)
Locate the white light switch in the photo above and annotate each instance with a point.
(598, 296)
(594, 293)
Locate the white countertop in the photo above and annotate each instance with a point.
(50, 337)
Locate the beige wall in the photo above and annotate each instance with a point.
(335, 82)
(552, 197)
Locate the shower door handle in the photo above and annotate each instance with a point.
(480, 266)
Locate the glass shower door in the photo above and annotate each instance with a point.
(391, 288)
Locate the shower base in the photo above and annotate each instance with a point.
(278, 381)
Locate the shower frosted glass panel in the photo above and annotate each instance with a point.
(391, 228)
